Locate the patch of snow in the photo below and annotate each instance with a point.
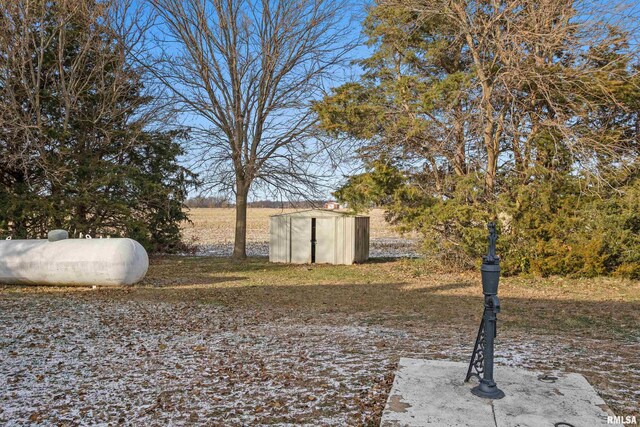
(87, 358)
(378, 248)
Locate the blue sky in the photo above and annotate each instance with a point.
(601, 9)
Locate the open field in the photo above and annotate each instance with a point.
(209, 341)
(215, 225)
(211, 230)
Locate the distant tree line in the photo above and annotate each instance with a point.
(223, 202)
(208, 202)
(519, 111)
(303, 204)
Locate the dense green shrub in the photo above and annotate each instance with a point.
(551, 226)
(556, 227)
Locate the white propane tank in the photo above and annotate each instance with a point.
(62, 261)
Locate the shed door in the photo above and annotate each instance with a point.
(301, 240)
(326, 241)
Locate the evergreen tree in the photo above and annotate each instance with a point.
(485, 119)
(78, 148)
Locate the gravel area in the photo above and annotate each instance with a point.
(378, 248)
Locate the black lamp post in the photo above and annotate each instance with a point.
(482, 356)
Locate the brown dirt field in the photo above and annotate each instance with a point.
(216, 225)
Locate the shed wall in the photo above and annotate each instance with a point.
(340, 239)
(349, 240)
(279, 239)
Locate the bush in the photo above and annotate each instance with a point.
(553, 228)
(548, 226)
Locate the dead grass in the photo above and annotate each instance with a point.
(405, 286)
(267, 343)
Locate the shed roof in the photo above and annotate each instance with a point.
(316, 213)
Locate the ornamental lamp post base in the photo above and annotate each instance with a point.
(487, 390)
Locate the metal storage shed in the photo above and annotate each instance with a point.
(319, 236)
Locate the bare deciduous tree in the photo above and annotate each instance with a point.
(542, 68)
(244, 73)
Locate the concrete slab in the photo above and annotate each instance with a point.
(433, 393)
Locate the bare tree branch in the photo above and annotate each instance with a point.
(245, 73)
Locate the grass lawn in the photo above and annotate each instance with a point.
(216, 342)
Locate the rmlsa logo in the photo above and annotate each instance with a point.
(628, 419)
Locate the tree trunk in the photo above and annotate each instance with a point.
(240, 243)
(488, 140)
(492, 133)
(489, 179)
(459, 160)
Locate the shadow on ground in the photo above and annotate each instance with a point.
(252, 307)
